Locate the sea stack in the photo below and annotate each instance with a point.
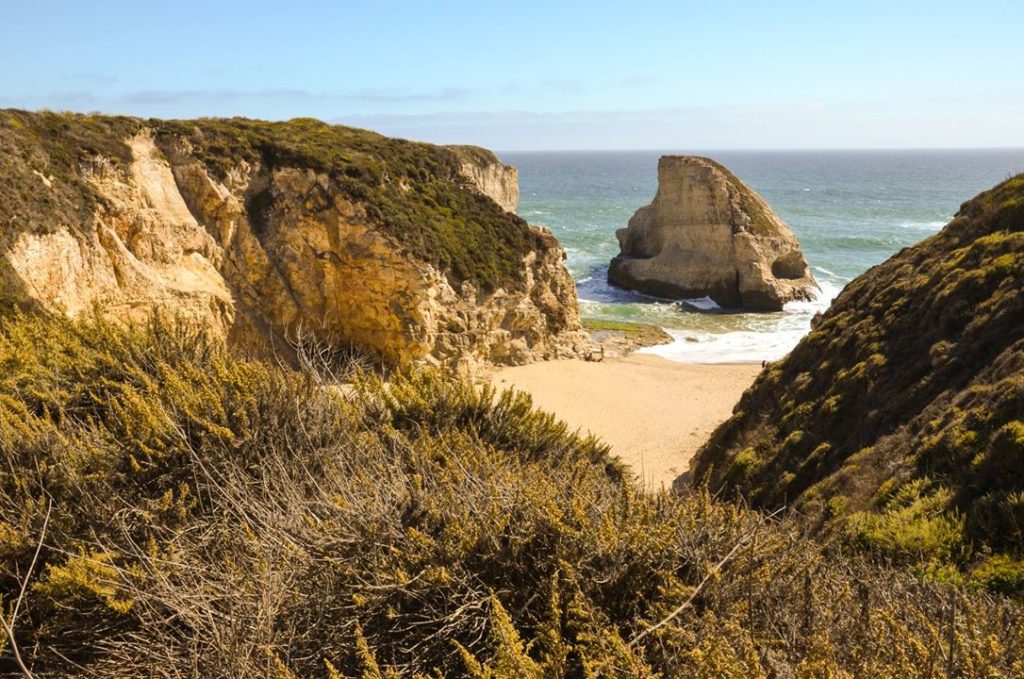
(707, 234)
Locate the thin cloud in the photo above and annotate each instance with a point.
(368, 96)
(635, 80)
(63, 99)
(546, 87)
(90, 78)
(564, 86)
(446, 94)
(803, 124)
(228, 96)
(161, 97)
(679, 113)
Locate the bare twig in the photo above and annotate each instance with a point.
(8, 625)
(714, 570)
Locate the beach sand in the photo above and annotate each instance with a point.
(654, 413)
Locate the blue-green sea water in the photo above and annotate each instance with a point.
(850, 210)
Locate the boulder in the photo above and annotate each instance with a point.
(706, 234)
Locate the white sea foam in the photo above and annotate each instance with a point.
(727, 347)
(774, 337)
(827, 291)
(922, 226)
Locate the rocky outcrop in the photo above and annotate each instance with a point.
(482, 169)
(143, 249)
(616, 338)
(270, 246)
(706, 234)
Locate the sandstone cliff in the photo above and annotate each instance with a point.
(268, 231)
(706, 234)
(898, 422)
(489, 175)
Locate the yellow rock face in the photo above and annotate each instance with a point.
(269, 256)
(146, 251)
(499, 182)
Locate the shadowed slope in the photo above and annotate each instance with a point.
(899, 420)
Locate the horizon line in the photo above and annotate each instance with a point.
(666, 149)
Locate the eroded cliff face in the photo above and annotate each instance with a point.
(489, 175)
(708, 235)
(265, 250)
(144, 249)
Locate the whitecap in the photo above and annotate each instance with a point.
(827, 292)
(922, 226)
(696, 346)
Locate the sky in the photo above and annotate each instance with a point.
(551, 75)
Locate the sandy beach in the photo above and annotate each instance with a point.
(654, 413)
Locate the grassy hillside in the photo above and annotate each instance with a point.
(168, 509)
(41, 148)
(473, 154)
(897, 424)
(411, 192)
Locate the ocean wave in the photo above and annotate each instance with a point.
(862, 243)
(717, 338)
(827, 292)
(922, 226)
(730, 347)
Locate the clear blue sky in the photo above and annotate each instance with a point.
(713, 74)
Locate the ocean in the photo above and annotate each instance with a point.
(850, 210)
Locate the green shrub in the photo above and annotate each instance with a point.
(1000, 573)
(745, 465)
(213, 516)
(913, 374)
(912, 526)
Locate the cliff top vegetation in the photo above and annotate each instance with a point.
(411, 192)
(473, 154)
